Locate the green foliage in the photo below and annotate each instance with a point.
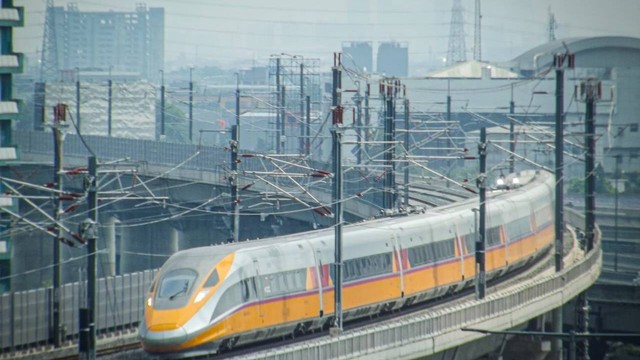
(602, 185)
(577, 185)
(632, 184)
(176, 124)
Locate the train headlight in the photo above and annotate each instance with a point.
(201, 295)
(150, 301)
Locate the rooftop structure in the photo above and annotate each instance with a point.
(473, 69)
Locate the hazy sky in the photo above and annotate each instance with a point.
(241, 32)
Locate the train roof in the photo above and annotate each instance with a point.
(528, 179)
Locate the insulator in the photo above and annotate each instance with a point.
(572, 61)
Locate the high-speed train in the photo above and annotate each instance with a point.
(211, 298)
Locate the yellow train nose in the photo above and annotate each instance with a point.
(161, 335)
(163, 327)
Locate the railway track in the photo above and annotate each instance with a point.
(128, 347)
(133, 350)
(541, 265)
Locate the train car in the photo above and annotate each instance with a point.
(212, 298)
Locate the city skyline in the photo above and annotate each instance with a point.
(241, 34)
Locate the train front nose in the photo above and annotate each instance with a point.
(160, 336)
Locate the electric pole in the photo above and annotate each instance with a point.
(590, 91)
(512, 136)
(480, 240)
(448, 119)
(406, 153)
(302, 103)
(283, 119)
(59, 121)
(367, 119)
(279, 119)
(360, 140)
(337, 133)
(307, 137)
(615, 226)
(191, 105)
(233, 178)
(89, 232)
(388, 91)
(162, 89)
(559, 64)
(78, 122)
(109, 102)
(448, 99)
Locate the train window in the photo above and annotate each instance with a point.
(286, 282)
(519, 228)
(176, 283)
(296, 280)
(493, 236)
(268, 285)
(367, 266)
(430, 253)
(246, 292)
(444, 249)
(543, 217)
(420, 255)
(212, 280)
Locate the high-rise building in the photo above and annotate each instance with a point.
(114, 40)
(358, 54)
(10, 63)
(393, 59)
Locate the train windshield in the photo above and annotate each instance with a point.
(176, 283)
(212, 280)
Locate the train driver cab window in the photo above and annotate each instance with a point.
(212, 280)
(176, 283)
